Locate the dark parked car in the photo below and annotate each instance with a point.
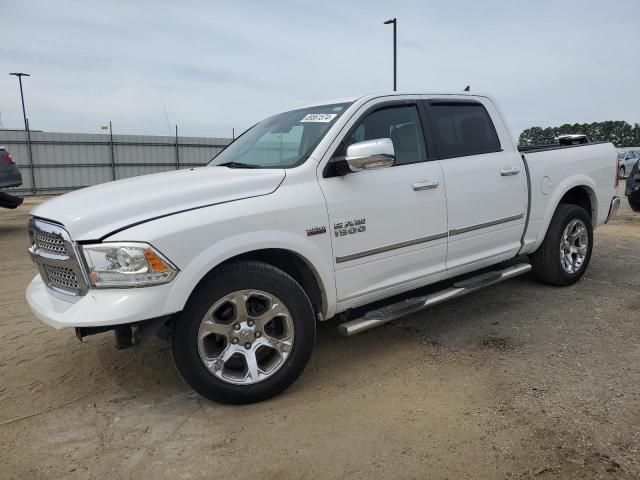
(632, 190)
(9, 174)
(9, 177)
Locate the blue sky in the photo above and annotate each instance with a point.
(223, 65)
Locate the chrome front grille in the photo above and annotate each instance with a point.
(62, 278)
(50, 243)
(55, 255)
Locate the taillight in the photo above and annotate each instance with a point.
(617, 172)
(7, 158)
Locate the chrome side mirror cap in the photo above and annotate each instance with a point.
(370, 155)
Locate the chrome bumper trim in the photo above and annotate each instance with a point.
(613, 209)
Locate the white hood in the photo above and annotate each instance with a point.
(93, 212)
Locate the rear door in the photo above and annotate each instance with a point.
(485, 183)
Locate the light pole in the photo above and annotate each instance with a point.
(26, 128)
(112, 151)
(395, 51)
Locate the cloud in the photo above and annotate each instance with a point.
(222, 65)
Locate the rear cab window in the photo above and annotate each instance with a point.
(461, 128)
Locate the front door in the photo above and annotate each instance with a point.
(388, 226)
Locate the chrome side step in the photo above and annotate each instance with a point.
(391, 312)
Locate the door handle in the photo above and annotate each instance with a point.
(426, 185)
(507, 172)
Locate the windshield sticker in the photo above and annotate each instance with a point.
(319, 117)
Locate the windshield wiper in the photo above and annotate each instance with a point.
(237, 165)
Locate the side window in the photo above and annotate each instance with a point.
(461, 129)
(401, 124)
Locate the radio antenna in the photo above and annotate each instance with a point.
(166, 117)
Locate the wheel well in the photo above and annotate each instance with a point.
(294, 265)
(579, 196)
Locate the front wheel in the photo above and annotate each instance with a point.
(245, 335)
(565, 252)
(622, 171)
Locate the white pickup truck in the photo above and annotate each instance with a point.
(307, 215)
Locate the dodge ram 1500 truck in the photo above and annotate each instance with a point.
(306, 216)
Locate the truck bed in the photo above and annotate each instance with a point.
(591, 165)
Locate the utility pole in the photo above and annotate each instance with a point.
(26, 128)
(394, 21)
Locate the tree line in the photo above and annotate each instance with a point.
(620, 133)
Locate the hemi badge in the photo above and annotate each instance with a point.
(316, 231)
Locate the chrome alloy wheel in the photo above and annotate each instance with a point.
(574, 245)
(245, 337)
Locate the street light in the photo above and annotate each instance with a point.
(26, 128)
(395, 62)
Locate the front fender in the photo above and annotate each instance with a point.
(230, 247)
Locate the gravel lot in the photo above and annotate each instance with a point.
(519, 380)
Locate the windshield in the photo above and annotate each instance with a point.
(282, 141)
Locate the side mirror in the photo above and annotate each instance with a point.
(370, 155)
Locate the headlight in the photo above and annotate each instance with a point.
(127, 265)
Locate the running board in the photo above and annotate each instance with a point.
(391, 312)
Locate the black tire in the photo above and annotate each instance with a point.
(230, 278)
(546, 261)
(634, 201)
(622, 171)
(10, 201)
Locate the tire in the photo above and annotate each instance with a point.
(634, 201)
(267, 357)
(622, 172)
(547, 262)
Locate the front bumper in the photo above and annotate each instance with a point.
(98, 308)
(613, 209)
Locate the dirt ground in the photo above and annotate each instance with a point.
(520, 380)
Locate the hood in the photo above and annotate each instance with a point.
(94, 212)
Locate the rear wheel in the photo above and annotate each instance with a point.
(566, 250)
(245, 335)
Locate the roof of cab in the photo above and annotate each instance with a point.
(371, 96)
